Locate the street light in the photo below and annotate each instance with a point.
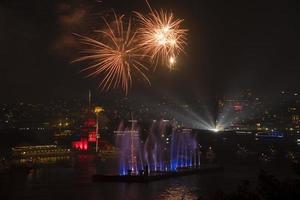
(97, 110)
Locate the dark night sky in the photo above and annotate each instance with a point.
(231, 44)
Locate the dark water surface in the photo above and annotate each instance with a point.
(75, 183)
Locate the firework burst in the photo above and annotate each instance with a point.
(160, 35)
(116, 57)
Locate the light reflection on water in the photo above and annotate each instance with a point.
(178, 192)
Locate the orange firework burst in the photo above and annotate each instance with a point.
(117, 57)
(160, 35)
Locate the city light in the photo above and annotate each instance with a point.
(215, 130)
(98, 109)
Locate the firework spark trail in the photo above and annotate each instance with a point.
(160, 35)
(117, 57)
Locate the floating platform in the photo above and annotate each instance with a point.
(157, 175)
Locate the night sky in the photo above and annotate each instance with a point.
(231, 44)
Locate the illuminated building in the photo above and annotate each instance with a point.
(90, 129)
(87, 138)
(41, 154)
(81, 144)
(97, 111)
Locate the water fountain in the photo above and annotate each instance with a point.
(129, 144)
(162, 154)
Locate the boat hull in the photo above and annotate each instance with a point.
(156, 177)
